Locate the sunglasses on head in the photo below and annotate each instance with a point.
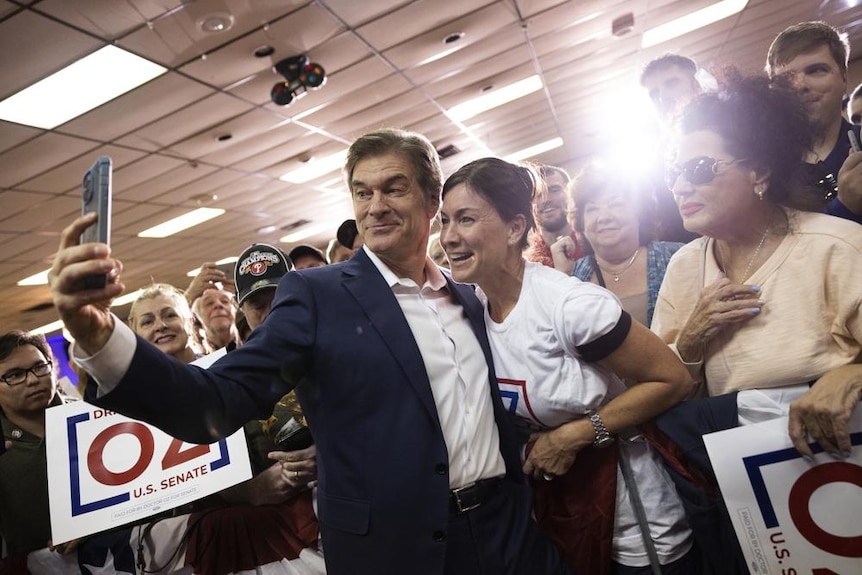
(697, 171)
(820, 177)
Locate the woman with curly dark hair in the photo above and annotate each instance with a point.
(765, 308)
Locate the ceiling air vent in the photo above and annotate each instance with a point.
(448, 151)
(41, 306)
(623, 25)
(293, 225)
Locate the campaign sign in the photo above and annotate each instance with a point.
(106, 470)
(791, 516)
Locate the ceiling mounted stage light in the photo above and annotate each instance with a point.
(301, 75)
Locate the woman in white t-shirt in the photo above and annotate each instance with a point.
(560, 348)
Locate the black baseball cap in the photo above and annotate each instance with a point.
(347, 233)
(260, 266)
(306, 250)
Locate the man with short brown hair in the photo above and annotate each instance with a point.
(418, 462)
(815, 55)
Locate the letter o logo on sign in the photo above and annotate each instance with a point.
(801, 493)
(95, 461)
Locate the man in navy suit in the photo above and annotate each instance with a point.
(418, 466)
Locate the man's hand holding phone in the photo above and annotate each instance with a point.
(850, 177)
(96, 197)
(84, 304)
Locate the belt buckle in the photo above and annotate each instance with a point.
(462, 508)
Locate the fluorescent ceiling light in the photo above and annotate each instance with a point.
(690, 22)
(49, 327)
(315, 168)
(310, 230)
(534, 150)
(78, 88)
(38, 279)
(504, 95)
(127, 298)
(440, 55)
(227, 260)
(181, 223)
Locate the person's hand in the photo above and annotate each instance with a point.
(206, 279)
(86, 313)
(291, 474)
(721, 304)
(300, 466)
(563, 253)
(65, 548)
(824, 412)
(553, 452)
(850, 182)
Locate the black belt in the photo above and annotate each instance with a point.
(464, 499)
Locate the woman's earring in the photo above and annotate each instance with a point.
(760, 192)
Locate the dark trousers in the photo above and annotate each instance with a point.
(707, 515)
(500, 538)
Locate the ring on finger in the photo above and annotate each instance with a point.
(296, 475)
(547, 476)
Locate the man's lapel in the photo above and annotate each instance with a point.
(363, 280)
(475, 312)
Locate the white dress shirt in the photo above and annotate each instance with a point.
(457, 370)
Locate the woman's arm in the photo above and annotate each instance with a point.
(824, 411)
(661, 381)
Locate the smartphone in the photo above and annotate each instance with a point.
(293, 436)
(96, 197)
(854, 141)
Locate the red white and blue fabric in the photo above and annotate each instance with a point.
(273, 539)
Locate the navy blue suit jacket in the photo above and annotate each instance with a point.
(338, 335)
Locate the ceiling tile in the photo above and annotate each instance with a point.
(413, 20)
(176, 38)
(33, 47)
(106, 17)
(39, 155)
(140, 107)
(13, 134)
(69, 175)
(188, 121)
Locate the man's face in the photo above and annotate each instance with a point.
(551, 205)
(256, 306)
(306, 261)
(341, 253)
(670, 89)
(392, 214)
(217, 309)
(854, 110)
(821, 84)
(35, 393)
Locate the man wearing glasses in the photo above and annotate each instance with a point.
(28, 386)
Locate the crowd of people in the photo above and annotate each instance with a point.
(525, 390)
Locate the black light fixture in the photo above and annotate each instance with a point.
(301, 75)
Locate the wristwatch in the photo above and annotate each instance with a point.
(603, 436)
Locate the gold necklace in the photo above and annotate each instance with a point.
(750, 261)
(627, 266)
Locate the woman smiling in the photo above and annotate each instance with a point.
(765, 307)
(560, 348)
(162, 316)
(618, 219)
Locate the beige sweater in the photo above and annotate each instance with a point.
(810, 323)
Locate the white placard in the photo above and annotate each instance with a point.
(106, 470)
(791, 517)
